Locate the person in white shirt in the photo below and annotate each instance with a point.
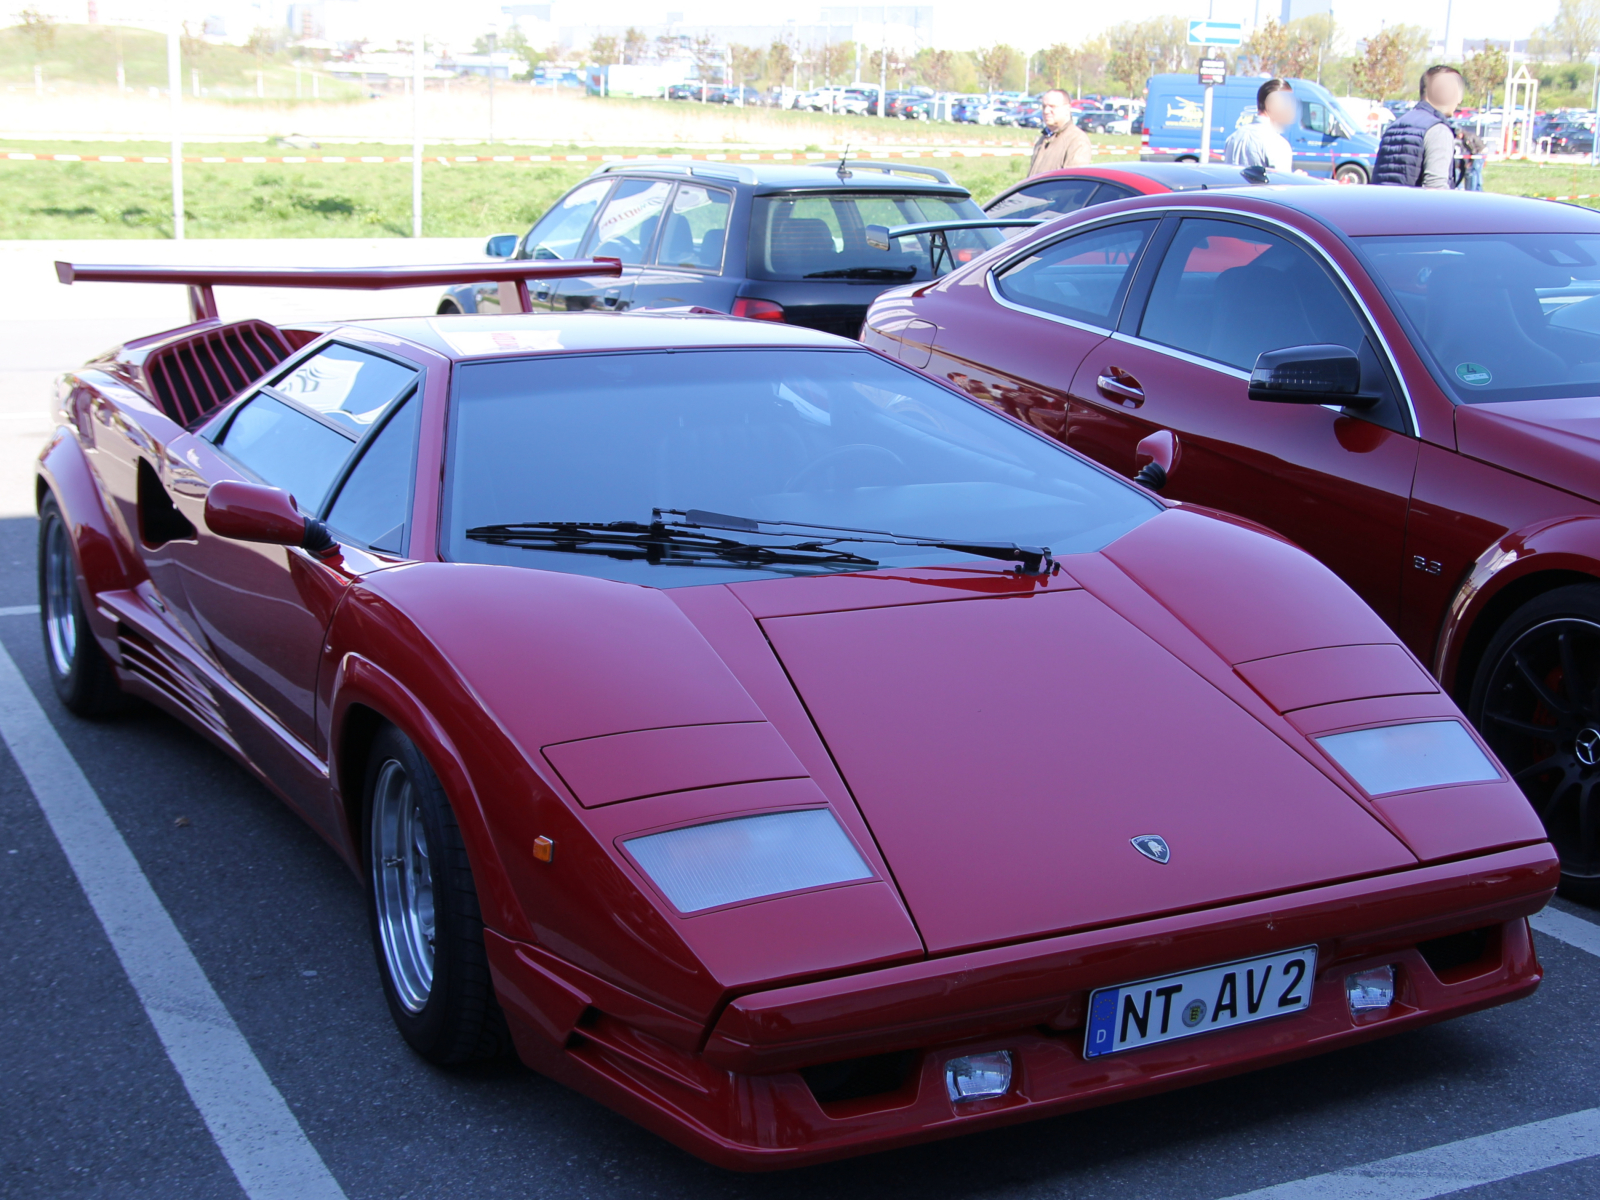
(1261, 143)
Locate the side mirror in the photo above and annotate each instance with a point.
(502, 245)
(1156, 456)
(878, 237)
(1309, 375)
(254, 512)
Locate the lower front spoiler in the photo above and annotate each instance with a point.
(785, 1113)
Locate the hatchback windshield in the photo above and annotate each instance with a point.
(820, 235)
(826, 437)
(1504, 316)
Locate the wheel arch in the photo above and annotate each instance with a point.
(103, 563)
(1519, 567)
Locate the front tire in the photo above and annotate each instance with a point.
(423, 906)
(82, 674)
(1536, 700)
(1350, 173)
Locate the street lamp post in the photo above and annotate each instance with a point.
(175, 90)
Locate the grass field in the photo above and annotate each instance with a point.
(133, 200)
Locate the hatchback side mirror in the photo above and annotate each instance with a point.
(254, 512)
(501, 245)
(1321, 374)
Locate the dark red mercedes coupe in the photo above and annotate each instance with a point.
(772, 742)
(1404, 383)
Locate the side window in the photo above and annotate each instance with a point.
(374, 505)
(298, 433)
(1083, 277)
(1107, 192)
(696, 228)
(560, 232)
(1228, 292)
(1042, 199)
(1314, 116)
(628, 220)
(349, 388)
(287, 448)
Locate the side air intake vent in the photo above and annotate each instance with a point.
(197, 375)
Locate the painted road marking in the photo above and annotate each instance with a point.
(1565, 927)
(20, 610)
(245, 1113)
(1453, 1167)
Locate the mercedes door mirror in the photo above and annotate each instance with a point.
(1309, 375)
(501, 245)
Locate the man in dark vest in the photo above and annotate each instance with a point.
(1417, 148)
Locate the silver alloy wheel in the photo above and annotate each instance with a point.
(60, 596)
(403, 886)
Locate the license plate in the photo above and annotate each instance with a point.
(1180, 1006)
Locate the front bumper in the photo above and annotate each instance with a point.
(741, 1101)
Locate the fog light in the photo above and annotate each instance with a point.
(977, 1076)
(1370, 991)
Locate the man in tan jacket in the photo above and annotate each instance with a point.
(1061, 143)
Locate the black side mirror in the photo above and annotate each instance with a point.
(1309, 375)
(501, 245)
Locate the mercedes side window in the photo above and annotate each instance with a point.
(373, 506)
(1228, 292)
(560, 231)
(628, 221)
(1083, 277)
(697, 228)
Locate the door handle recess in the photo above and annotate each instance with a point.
(1121, 385)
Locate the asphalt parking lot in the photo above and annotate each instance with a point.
(1500, 1104)
(94, 1107)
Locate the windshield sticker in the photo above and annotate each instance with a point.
(1472, 373)
(498, 341)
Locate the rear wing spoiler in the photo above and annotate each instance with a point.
(201, 280)
(880, 237)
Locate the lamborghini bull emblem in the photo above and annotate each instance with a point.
(1153, 846)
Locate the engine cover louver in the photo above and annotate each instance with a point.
(197, 375)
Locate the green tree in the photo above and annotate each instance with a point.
(1281, 51)
(780, 62)
(1485, 72)
(747, 61)
(1576, 30)
(937, 69)
(39, 27)
(994, 63)
(1383, 67)
(604, 51)
(634, 44)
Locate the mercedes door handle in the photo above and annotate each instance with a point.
(1121, 385)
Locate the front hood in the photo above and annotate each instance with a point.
(1004, 752)
(1554, 441)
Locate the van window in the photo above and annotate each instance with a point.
(1314, 116)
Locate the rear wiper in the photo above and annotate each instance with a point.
(1034, 560)
(659, 542)
(866, 273)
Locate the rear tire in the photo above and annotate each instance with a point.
(449, 308)
(1350, 173)
(1536, 700)
(79, 669)
(423, 906)
(1194, 158)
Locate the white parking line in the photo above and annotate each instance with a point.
(1574, 931)
(1454, 1166)
(20, 610)
(245, 1113)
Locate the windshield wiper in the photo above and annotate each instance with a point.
(1034, 560)
(661, 543)
(865, 273)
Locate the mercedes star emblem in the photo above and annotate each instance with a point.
(1154, 847)
(1587, 746)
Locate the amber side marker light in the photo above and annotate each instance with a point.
(1370, 991)
(978, 1076)
(543, 849)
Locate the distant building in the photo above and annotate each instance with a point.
(1293, 10)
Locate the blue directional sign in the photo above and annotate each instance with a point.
(1216, 33)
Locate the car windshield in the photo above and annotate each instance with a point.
(821, 235)
(1505, 316)
(828, 437)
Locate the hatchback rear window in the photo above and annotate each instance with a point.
(819, 235)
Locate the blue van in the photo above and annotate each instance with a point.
(1326, 142)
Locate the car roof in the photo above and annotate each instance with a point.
(1369, 211)
(1165, 177)
(498, 335)
(822, 174)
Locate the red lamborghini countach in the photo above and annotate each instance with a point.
(774, 743)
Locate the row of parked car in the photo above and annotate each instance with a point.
(1094, 114)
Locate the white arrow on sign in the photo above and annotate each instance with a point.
(1216, 33)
